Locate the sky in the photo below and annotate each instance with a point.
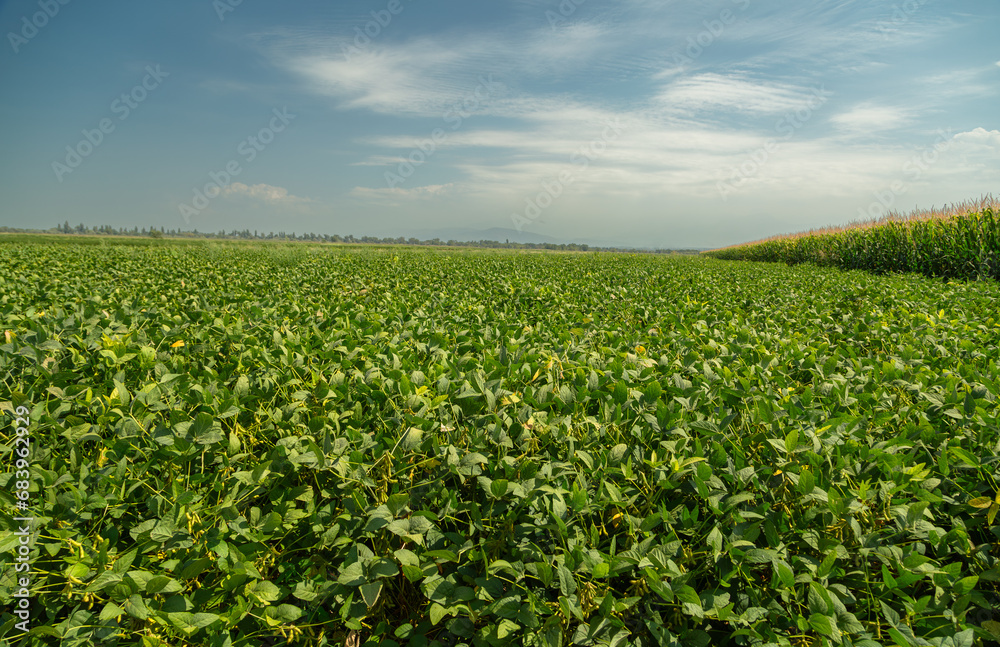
(637, 122)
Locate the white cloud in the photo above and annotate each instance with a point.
(956, 84)
(262, 192)
(395, 81)
(381, 160)
(402, 193)
(678, 138)
(427, 77)
(979, 138)
(868, 118)
(733, 92)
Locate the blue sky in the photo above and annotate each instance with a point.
(638, 122)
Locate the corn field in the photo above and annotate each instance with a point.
(948, 245)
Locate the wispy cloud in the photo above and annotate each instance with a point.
(868, 119)
(262, 192)
(397, 195)
(424, 77)
(732, 93)
(683, 132)
(381, 160)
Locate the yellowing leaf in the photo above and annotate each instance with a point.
(178, 344)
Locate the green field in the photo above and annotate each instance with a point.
(258, 444)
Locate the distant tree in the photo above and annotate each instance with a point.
(155, 233)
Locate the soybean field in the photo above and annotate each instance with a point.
(264, 444)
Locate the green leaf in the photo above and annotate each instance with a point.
(620, 393)
(915, 512)
(567, 583)
(264, 591)
(690, 601)
(498, 488)
(993, 627)
(161, 584)
(964, 456)
(652, 392)
(715, 540)
(352, 575)
(242, 388)
(135, 606)
(825, 625)
(969, 405)
(370, 593)
(411, 439)
(899, 638)
(965, 585)
(382, 568)
(124, 562)
(111, 610)
(437, 612)
(397, 502)
(807, 482)
(785, 573)
(164, 530)
(651, 522)
(791, 441)
(760, 555)
(103, 581)
(411, 528)
(282, 614)
(205, 430)
(552, 633)
(189, 623)
(414, 573)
